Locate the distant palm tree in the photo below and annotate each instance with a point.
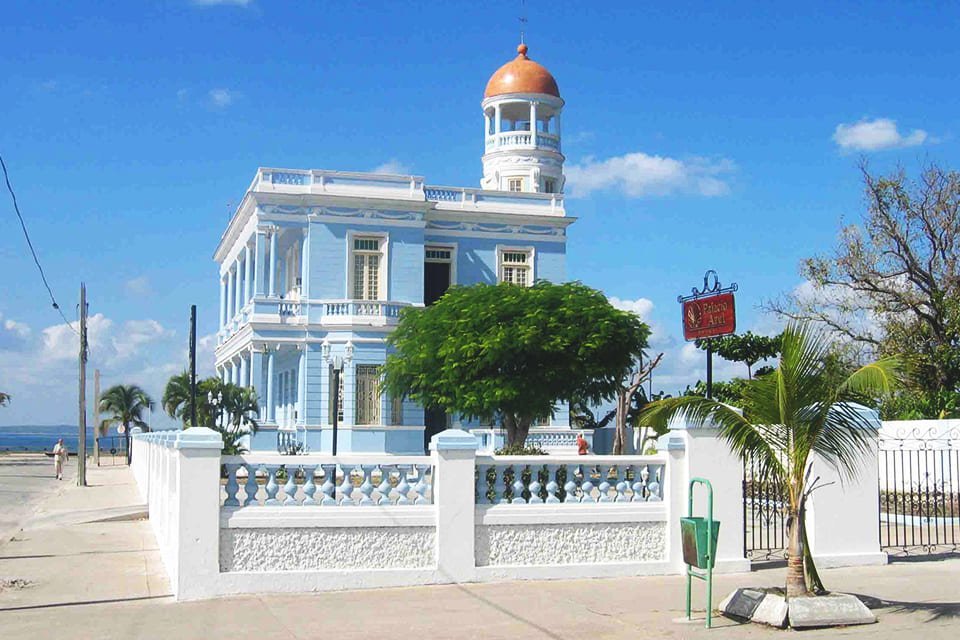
(4, 399)
(803, 407)
(124, 405)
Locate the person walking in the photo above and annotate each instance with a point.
(59, 457)
(583, 447)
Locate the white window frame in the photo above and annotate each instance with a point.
(510, 182)
(532, 257)
(547, 180)
(383, 285)
(452, 247)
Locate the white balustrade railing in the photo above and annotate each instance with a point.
(271, 480)
(363, 308)
(288, 309)
(523, 139)
(553, 479)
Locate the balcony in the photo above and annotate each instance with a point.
(522, 140)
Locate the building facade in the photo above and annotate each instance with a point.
(315, 267)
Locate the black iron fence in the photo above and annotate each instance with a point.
(113, 450)
(919, 493)
(764, 515)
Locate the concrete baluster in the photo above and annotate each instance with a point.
(346, 488)
(232, 487)
(384, 487)
(309, 486)
(535, 486)
(290, 488)
(366, 487)
(500, 485)
(422, 486)
(272, 487)
(251, 487)
(570, 487)
(403, 488)
(329, 487)
(552, 486)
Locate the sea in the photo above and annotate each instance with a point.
(43, 437)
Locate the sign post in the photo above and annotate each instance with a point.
(709, 313)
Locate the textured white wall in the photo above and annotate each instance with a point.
(529, 545)
(312, 549)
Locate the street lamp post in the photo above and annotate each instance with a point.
(337, 370)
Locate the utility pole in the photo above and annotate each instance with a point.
(193, 365)
(82, 439)
(96, 417)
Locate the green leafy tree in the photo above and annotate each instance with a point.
(125, 405)
(4, 399)
(800, 409)
(514, 352)
(891, 286)
(748, 348)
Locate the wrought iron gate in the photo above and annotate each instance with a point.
(764, 516)
(919, 487)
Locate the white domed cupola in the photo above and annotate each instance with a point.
(521, 113)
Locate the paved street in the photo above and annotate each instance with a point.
(91, 578)
(25, 480)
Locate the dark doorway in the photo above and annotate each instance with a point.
(435, 421)
(436, 281)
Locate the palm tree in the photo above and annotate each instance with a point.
(4, 399)
(125, 404)
(803, 407)
(176, 397)
(228, 409)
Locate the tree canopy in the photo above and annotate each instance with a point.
(748, 348)
(892, 284)
(512, 352)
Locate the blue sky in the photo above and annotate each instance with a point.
(697, 135)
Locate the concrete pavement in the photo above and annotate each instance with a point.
(95, 579)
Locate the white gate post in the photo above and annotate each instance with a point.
(454, 459)
(707, 456)
(843, 517)
(197, 513)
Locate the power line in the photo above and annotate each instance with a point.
(33, 252)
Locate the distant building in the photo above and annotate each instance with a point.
(317, 264)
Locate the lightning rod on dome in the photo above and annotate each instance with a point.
(523, 19)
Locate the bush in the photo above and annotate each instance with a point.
(520, 450)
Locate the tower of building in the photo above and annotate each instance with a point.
(521, 113)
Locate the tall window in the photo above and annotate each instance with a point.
(368, 394)
(396, 410)
(514, 184)
(549, 185)
(515, 267)
(367, 259)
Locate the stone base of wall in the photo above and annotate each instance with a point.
(315, 549)
(565, 544)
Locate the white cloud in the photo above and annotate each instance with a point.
(641, 306)
(213, 3)
(139, 286)
(135, 335)
(638, 174)
(875, 135)
(392, 166)
(221, 98)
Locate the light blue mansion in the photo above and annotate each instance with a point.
(317, 264)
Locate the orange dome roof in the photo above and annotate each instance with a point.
(521, 75)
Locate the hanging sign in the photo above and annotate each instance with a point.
(709, 317)
(709, 312)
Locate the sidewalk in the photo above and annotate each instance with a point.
(94, 579)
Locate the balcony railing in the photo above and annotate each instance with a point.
(523, 139)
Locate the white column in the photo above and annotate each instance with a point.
(195, 507)
(272, 291)
(304, 263)
(557, 116)
(302, 387)
(240, 300)
(486, 126)
(260, 253)
(231, 290)
(223, 302)
(454, 455)
(270, 386)
(244, 372)
(533, 123)
(842, 515)
(496, 119)
(705, 455)
(248, 280)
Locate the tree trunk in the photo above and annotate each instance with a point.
(620, 434)
(126, 439)
(813, 581)
(796, 584)
(517, 429)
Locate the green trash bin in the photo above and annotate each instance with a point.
(693, 533)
